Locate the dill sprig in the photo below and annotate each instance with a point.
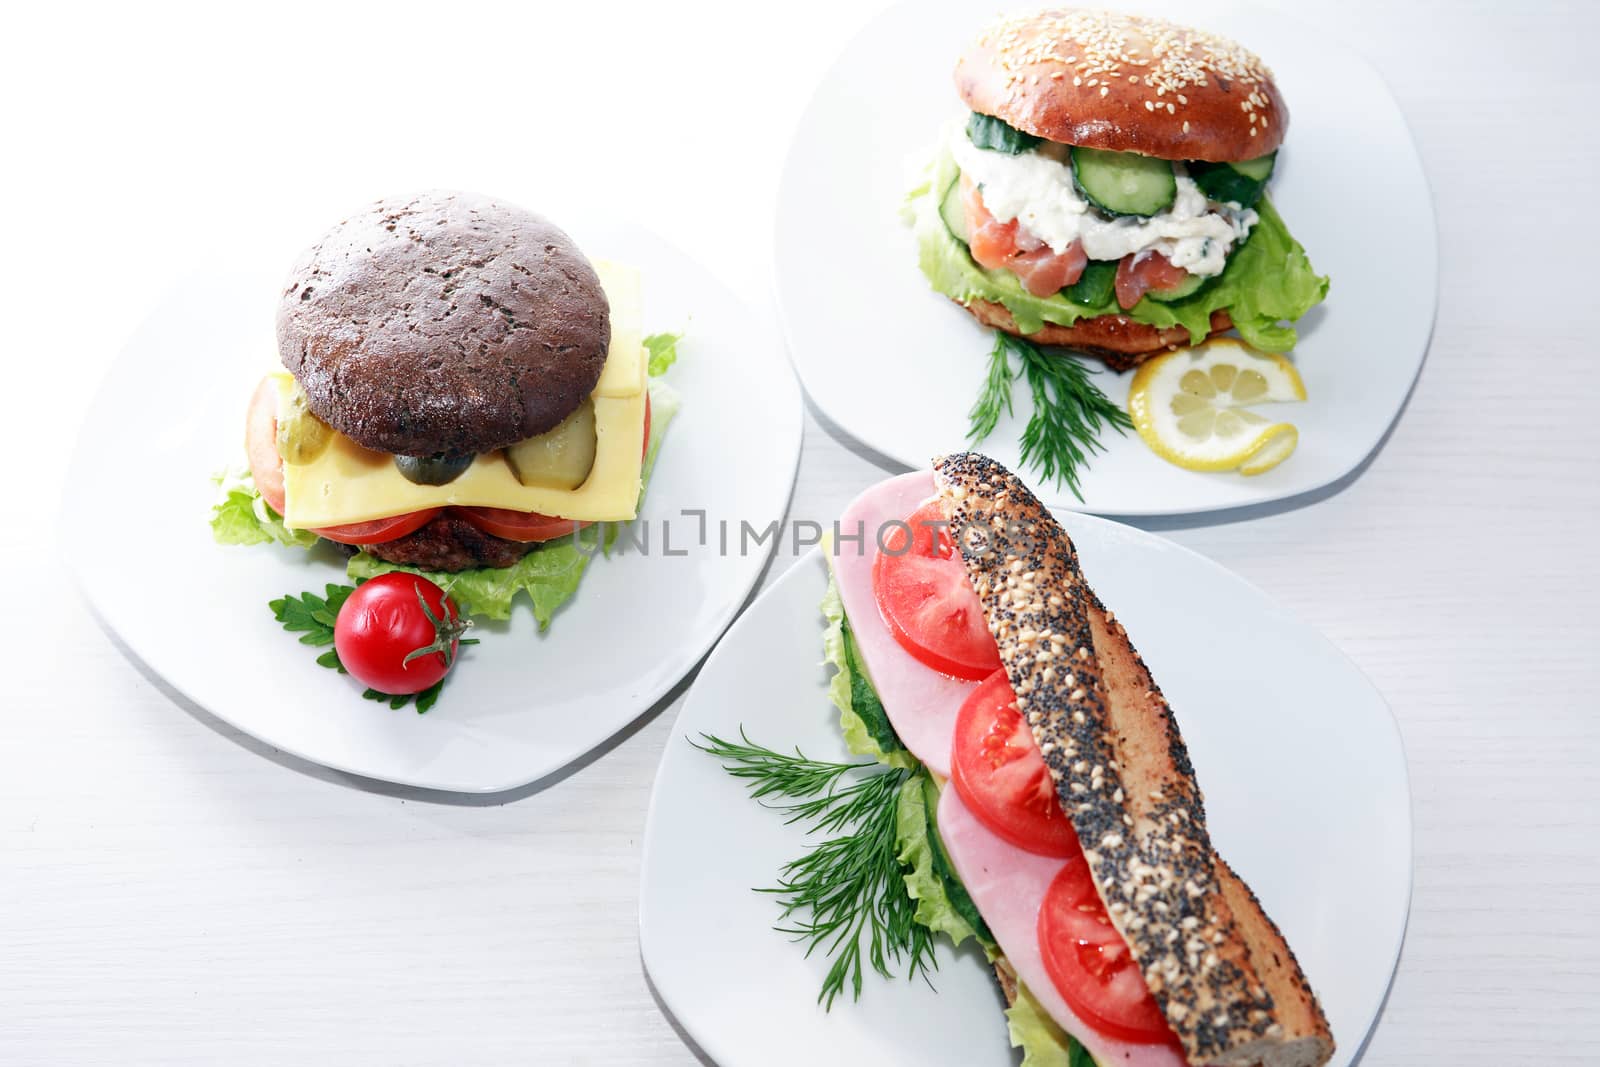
(847, 895)
(1069, 410)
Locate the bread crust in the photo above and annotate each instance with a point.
(1217, 966)
(444, 323)
(1125, 83)
(1120, 342)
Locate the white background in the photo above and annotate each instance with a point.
(171, 893)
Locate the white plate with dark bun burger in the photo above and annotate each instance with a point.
(1173, 260)
(1058, 788)
(424, 501)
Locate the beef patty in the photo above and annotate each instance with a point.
(450, 543)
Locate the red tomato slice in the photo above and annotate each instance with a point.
(926, 599)
(1091, 964)
(998, 772)
(378, 530)
(1138, 274)
(261, 444)
(518, 525)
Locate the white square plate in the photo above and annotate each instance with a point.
(520, 704)
(897, 366)
(1301, 764)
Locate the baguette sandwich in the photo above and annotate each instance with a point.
(1066, 830)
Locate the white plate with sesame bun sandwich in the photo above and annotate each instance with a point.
(546, 421)
(984, 788)
(981, 211)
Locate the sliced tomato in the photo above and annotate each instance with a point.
(378, 530)
(519, 525)
(1139, 273)
(928, 602)
(1090, 963)
(998, 772)
(261, 444)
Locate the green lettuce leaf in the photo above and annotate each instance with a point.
(923, 884)
(850, 690)
(1268, 279)
(663, 350)
(550, 574)
(241, 517)
(1043, 1043)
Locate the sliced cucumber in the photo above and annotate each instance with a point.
(960, 899)
(1190, 286)
(1235, 183)
(1259, 168)
(986, 131)
(954, 212)
(864, 699)
(1124, 183)
(1094, 287)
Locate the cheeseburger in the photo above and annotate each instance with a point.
(462, 384)
(1106, 190)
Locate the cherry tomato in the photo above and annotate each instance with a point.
(378, 530)
(398, 633)
(261, 444)
(998, 772)
(1090, 962)
(928, 602)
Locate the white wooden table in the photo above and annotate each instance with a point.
(172, 893)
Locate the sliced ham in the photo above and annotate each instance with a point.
(1008, 886)
(921, 703)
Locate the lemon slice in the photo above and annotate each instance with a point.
(1192, 407)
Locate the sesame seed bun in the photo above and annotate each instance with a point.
(1118, 341)
(444, 323)
(1124, 83)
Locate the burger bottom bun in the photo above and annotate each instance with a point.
(1116, 339)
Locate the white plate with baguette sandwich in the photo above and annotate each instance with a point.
(981, 821)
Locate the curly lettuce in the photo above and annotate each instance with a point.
(241, 517)
(1267, 283)
(1043, 1043)
(861, 716)
(928, 879)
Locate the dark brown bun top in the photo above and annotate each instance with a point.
(1124, 83)
(443, 323)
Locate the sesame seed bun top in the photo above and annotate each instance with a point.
(1124, 83)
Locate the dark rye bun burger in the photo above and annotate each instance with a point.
(1120, 83)
(440, 326)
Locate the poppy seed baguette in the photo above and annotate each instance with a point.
(1226, 982)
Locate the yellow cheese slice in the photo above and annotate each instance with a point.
(347, 483)
(623, 374)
